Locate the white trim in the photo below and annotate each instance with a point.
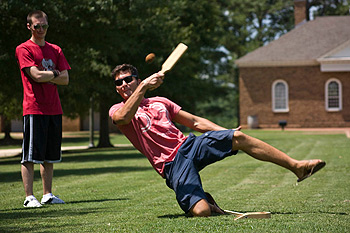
(273, 96)
(336, 60)
(335, 67)
(330, 109)
(31, 138)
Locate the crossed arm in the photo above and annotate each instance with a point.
(47, 76)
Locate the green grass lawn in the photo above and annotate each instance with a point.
(117, 190)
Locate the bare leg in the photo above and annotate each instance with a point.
(27, 170)
(204, 209)
(263, 151)
(201, 209)
(46, 171)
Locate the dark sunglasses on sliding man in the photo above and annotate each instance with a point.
(127, 79)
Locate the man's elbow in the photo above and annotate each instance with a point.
(66, 81)
(65, 78)
(120, 120)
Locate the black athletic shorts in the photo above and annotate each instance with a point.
(42, 136)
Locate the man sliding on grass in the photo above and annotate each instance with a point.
(147, 123)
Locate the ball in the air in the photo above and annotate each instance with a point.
(150, 57)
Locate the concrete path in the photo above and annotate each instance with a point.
(346, 131)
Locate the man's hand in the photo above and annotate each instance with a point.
(154, 81)
(238, 128)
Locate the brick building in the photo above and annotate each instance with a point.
(302, 78)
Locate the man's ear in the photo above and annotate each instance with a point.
(138, 81)
(28, 26)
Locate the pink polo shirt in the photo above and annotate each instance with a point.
(152, 132)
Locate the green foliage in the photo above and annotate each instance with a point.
(329, 7)
(220, 109)
(252, 24)
(98, 35)
(117, 190)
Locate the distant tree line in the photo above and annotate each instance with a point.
(98, 35)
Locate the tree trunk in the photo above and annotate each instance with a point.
(91, 123)
(7, 129)
(104, 130)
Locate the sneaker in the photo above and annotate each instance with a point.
(51, 200)
(31, 201)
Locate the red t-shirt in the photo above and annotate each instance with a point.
(40, 98)
(152, 132)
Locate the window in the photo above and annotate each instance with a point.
(280, 96)
(333, 95)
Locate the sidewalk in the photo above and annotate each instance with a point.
(345, 131)
(13, 152)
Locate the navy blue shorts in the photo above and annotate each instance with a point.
(42, 136)
(182, 174)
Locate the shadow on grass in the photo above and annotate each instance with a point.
(93, 201)
(173, 216)
(76, 140)
(11, 142)
(86, 155)
(45, 212)
(103, 154)
(16, 176)
(82, 156)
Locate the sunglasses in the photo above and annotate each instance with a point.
(43, 26)
(127, 79)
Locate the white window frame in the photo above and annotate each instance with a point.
(273, 96)
(340, 96)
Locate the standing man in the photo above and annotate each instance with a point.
(43, 66)
(147, 123)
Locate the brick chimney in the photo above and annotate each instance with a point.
(299, 12)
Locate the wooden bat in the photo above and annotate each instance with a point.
(249, 214)
(238, 215)
(173, 57)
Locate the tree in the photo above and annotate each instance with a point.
(97, 35)
(327, 7)
(12, 29)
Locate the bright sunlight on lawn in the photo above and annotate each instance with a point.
(117, 190)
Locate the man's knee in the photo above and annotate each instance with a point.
(238, 139)
(201, 209)
(238, 134)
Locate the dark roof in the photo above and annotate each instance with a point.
(302, 45)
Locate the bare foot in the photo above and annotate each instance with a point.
(213, 206)
(308, 168)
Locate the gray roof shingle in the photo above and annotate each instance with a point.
(302, 45)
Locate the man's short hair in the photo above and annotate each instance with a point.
(36, 14)
(124, 68)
